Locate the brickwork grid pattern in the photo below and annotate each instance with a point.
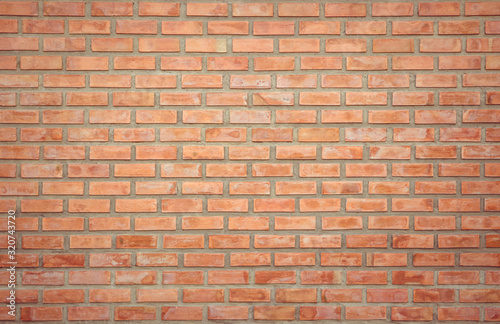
(280, 161)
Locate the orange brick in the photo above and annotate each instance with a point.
(267, 28)
(345, 10)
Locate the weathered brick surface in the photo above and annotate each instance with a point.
(251, 161)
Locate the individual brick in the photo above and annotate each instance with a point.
(111, 9)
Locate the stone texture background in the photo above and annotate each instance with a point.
(281, 161)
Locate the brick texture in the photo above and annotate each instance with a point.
(251, 161)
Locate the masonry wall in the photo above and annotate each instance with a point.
(251, 160)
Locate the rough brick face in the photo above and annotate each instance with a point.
(251, 162)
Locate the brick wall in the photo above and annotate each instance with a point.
(251, 161)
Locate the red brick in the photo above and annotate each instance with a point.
(341, 295)
(43, 242)
(400, 9)
(365, 134)
(181, 205)
(296, 81)
(109, 224)
(434, 45)
(491, 27)
(366, 99)
(341, 259)
(340, 117)
(253, 45)
(135, 313)
(34, 314)
(136, 27)
(394, 45)
(87, 63)
(21, 44)
(460, 204)
(413, 99)
(92, 313)
(366, 205)
(182, 313)
(299, 45)
(345, 46)
(35, 26)
(481, 9)
(56, 296)
(159, 9)
(388, 81)
(319, 99)
(386, 260)
(458, 314)
(435, 187)
(274, 313)
(207, 9)
(295, 116)
(14, 8)
(458, 277)
(42, 206)
(48, 278)
(386, 295)
(157, 260)
(273, 63)
(491, 313)
(435, 117)
(412, 63)
(249, 295)
(228, 28)
(111, 260)
(439, 9)
(411, 313)
(182, 27)
(341, 81)
(294, 259)
(458, 27)
(230, 277)
(412, 27)
(365, 28)
(320, 63)
(100, 9)
(253, 9)
(413, 277)
(182, 277)
(60, 44)
(7, 99)
(412, 241)
(203, 260)
(435, 81)
(365, 312)
(345, 10)
(296, 295)
(98, 27)
(319, 28)
(275, 277)
(298, 10)
(227, 312)
(385, 153)
(433, 259)
(295, 188)
(74, 9)
(112, 44)
(346, 187)
(366, 277)
(341, 152)
(388, 222)
(63, 260)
